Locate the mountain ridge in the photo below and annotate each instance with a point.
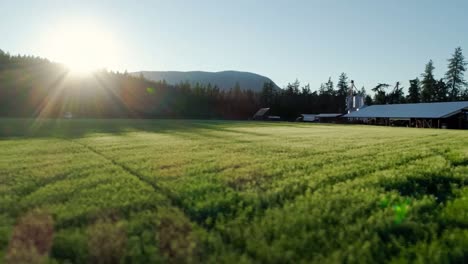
(225, 80)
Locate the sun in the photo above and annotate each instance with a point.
(82, 47)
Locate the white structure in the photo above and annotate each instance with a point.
(354, 102)
(308, 118)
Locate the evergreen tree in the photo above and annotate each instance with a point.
(441, 92)
(342, 85)
(414, 91)
(267, 95)
(4, 59)
(330, 87)
(296, 86)
(322, 89)
(464, 95)
(454, 75)
(306, 90)
(362, 92)
(368, 100)
(293, 88)
(428, 83)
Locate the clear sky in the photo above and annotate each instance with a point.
(372, 41)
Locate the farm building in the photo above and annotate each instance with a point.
(424, 115)
(262, 114)
(307, 118)
(328, 118)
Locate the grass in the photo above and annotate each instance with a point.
(105, 191)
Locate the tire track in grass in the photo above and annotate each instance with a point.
(52, 180)
(335, 178)
(173, 200)
(178, 203)
(332, 180)
(226, 241)
(21, 191)
(226, 236)
(124, 168)
(353, 183)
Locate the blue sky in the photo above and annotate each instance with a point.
(372, 41)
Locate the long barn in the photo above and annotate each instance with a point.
(425, 115)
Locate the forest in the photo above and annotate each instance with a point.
(36, 87)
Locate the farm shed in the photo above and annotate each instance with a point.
(328, 118)
(274, 118)
(261, 114)
(425, 115)
(307, 118)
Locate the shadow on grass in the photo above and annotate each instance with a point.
(439, 186)
(77, 128)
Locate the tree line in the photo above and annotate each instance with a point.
(452, 87)
(295, 99)
(35, 87)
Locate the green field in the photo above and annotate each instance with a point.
(231, 192)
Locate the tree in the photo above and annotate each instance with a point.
(330, 87)
(380, 96)
(322, 89)
(368, 100)
(414, 91)
(464, 95)
(293, 88)
(454, 75)
(441, 91)
(362, 92)
(397, 95)
(306, 90)
(267, 95)
(428, 83)
(342, 85)
(296, 86)
(4, 59)
(327, 88)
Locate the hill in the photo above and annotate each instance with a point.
(225, 80)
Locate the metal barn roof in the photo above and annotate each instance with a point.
(308, 117)
(329, 115)
(262, 112)
(422, 110)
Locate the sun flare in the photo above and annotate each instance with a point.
(82, 47)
